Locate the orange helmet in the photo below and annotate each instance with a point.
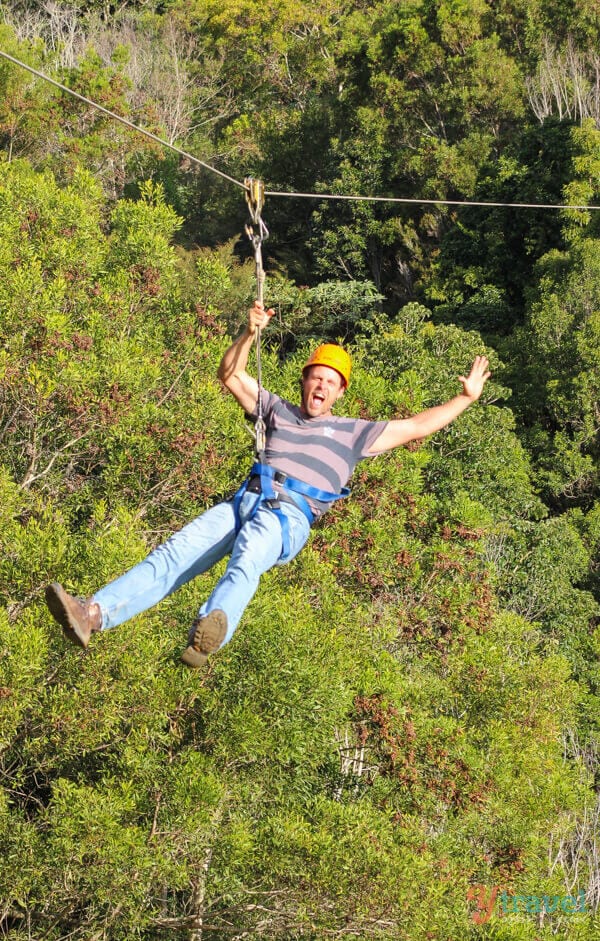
(330, 354)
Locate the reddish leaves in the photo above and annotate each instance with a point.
(422, 761)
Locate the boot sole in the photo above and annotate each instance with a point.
(208, 636)
(56, 605)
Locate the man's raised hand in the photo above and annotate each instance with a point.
(473, 383)
(258, 317)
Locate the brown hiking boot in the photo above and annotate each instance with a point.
(78, 618)
(206, 635)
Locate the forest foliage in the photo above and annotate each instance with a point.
(409, 712)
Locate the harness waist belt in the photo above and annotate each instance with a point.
(261, 480)
(268, 473)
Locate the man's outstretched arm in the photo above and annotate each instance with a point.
(402, 430)
(232, 368)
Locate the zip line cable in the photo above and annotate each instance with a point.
(281, 193)
(118, 117)
(433, 202)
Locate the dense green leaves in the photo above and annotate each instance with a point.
(409, 710)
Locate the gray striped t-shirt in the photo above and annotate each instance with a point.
(321, 452)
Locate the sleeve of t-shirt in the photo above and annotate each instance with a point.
(366, 434)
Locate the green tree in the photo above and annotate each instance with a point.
(25, 105)
(410, 708)
(562, 375)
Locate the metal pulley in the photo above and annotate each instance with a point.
(255, 197)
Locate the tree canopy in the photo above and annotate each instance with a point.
(409, 712)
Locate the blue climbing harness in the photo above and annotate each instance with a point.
(294, 490)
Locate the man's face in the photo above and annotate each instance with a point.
(322, 386)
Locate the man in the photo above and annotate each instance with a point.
(309, 457)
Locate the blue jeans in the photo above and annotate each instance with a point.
(193, 550)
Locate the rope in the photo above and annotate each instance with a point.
(290, 195)
(255, 198)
